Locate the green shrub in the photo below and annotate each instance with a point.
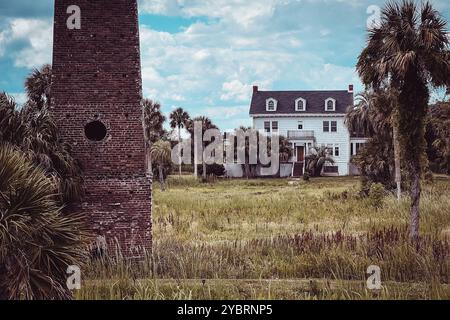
(215, 169)
(377, 193)
(37, 242)
(306, 176)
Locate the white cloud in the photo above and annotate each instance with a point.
(234, 44)
(165, 7)
(235, 90)
(245, 13)
(331, 77)
(214, 63)
(33, 38)
(224, 112)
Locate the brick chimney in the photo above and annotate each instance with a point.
(255, 89)
(350, 88)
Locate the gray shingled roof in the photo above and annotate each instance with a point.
(315, 101)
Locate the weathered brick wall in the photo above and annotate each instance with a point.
(97, 77)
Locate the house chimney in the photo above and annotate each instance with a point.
(255, 89)
(350, 88)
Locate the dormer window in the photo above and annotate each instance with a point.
(330, 104)
(300, 104)
(271, 105)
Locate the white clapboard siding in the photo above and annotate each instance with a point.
(340, 138)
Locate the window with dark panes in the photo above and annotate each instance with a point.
(333, 126)
(275, 126)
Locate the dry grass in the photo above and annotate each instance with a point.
(271, 235)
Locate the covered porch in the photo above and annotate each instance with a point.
(302, 141)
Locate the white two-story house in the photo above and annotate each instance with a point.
(307, 119)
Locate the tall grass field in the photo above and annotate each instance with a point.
(282, 239)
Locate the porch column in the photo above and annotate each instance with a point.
(293, 158)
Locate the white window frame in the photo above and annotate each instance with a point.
(337, 148)
(275, 104)
(331, 126)
(326, 104)
(297, 107)
(272, 129)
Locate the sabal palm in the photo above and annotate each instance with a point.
(179, 119)
(153, 119)
(33, 131)
(285, 149)
(249, 169)
(439, 128)
(12, 128)
(206, 124)
(37, 243)
(409, 48)
(161, 153)
(375, 115)
(316, 160)
(38, 86)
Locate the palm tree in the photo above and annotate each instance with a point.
(409, 49)
(374, 115)
(38, 86)
(249, 169)
(42, 141)
(438, 135)
(153, 120)
(206, 125)
(285, 151)
(33, 131)
(178, 119)
(161, 153)
(12, 128)
(316, 160)
(37, 243)
(358, 118)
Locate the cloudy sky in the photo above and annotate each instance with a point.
(204, 55)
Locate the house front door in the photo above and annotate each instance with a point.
(300, 154)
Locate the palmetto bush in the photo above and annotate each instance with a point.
(37, 243)
(317, 159)
(31, 129)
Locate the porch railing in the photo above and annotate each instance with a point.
(300, 134)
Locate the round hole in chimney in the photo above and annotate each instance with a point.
(95, 131)
(127, 115)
